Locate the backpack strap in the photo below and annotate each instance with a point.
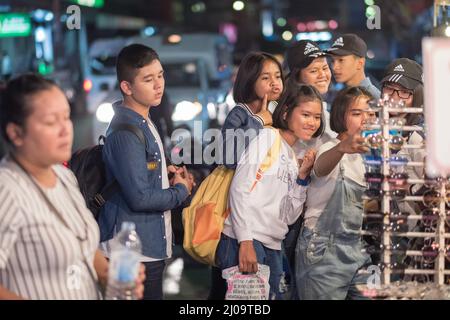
(114, 187)
(272, 155)
(132, 128)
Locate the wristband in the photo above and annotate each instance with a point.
(303, 182)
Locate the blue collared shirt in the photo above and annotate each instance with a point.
(367, 84)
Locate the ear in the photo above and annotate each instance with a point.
(15, 133)
(285, 115)
(361, 63)
(126, 88)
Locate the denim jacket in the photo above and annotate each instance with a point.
(138, 172)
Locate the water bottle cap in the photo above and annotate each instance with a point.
(127, 225)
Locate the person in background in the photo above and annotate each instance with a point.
(403, 82)
(48, 237)
(348, 54)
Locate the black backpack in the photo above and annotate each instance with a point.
(87, 165)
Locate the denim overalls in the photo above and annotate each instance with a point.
(329, 256)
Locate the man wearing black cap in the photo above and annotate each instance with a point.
(348, 53)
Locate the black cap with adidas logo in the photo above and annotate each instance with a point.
(302, 53)
(348, 44)
(405, 72)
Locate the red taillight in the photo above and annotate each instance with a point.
(87, 85)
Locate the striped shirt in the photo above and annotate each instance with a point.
(41, 258)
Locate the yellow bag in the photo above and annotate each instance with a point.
(204, 218)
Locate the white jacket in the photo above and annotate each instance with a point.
(262, 210)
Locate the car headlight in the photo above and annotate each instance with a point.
(186, 110)
(105, 112)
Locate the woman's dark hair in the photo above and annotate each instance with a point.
(15, 102)
(294, 95)
(341, 103)
(248, 72)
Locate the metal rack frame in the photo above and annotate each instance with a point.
(439, 271)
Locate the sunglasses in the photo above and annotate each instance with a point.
(374, 140)
(373, 228)
(398, 185)
(432, 182)
(396, 142)
(372, 163)
(431, 198)
(386, 102)
(374, 182)
(430, 252)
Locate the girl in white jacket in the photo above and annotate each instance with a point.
(269, 187)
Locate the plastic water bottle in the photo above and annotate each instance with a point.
(124, 264)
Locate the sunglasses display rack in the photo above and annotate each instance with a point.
(389, 185)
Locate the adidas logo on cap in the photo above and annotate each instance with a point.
(339, 42)
(399, 68)
(309, 48)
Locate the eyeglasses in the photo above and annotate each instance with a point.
(398, 164)
(430, 252)
(374, 228)
(447, 250)
(432, 182)
(374, 141)
(402, 93)
(430, 217)
(431, 198)
(396, 143)
(372, 163)
(374, 182)
(398, 185)
(397, 122)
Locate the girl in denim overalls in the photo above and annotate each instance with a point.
(329, 249)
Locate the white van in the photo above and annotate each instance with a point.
(197, 71)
